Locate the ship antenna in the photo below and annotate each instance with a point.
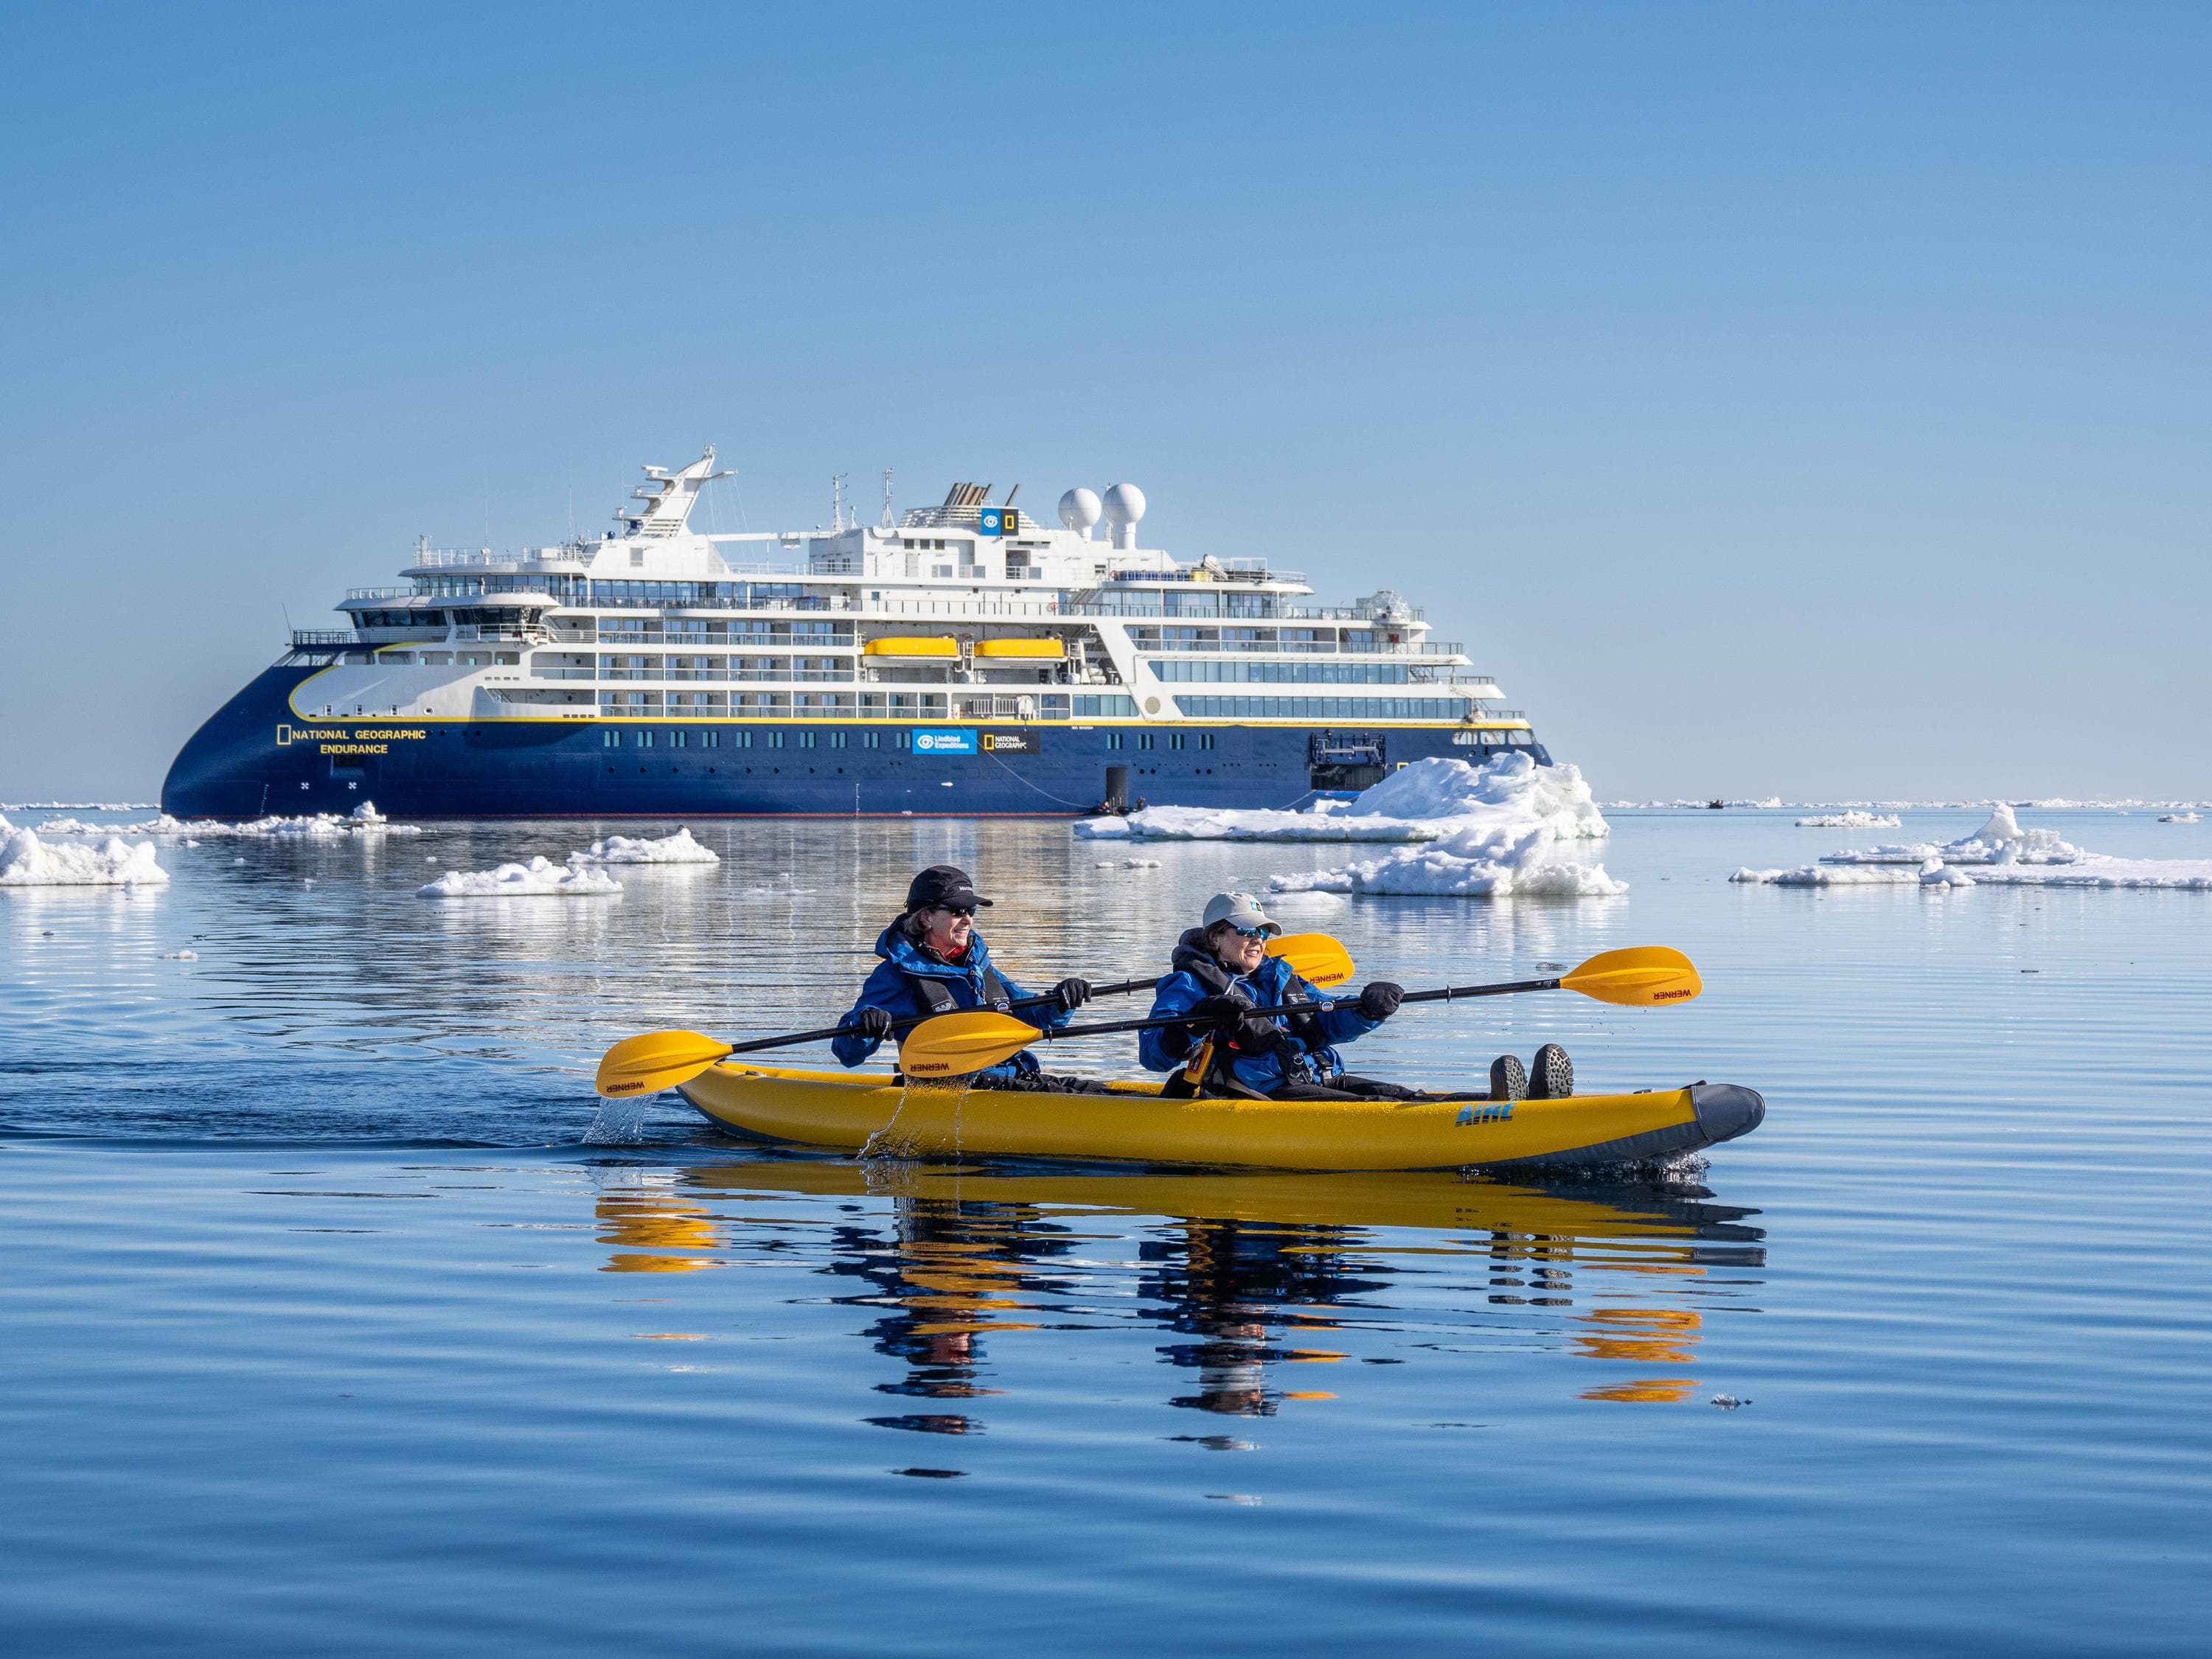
(887, 498)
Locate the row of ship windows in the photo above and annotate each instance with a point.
(1146, 739)
(647, 738)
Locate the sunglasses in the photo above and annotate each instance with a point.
(967, 910)
(1249, 932)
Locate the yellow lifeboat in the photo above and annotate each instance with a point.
(1025, 650)
(943, 647)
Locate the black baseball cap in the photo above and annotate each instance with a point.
(945, 886)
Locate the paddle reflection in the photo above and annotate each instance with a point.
(1268, 1289)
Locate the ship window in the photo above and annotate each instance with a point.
(1143, 740)
(806, 740)
(644, 739)
(1114, 739)
(611, 738)
(940, 570)
(710, 739)
(871, 740)
(741, 740)
(677, 739)
(507, 659)
(775, 740)
(1205, 740)
(902, 739)
(1174, 739)
(836, 739)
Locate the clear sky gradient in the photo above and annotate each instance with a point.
(1777, 397)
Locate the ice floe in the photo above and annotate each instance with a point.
(2179, 818)
(2000, 841)
(1852, 820)
(27, 861)
(539, 878)
(1424, 802)
(1999, 854)
(363, 821)
(181, 956)
(679, 849)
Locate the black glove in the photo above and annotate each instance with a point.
(1218, 1011)
(873, 1024)
(1380, 1001)
(1072, 993)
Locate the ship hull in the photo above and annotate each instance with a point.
(256, 755)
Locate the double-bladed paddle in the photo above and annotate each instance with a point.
(661, 1059)
(954, 1045)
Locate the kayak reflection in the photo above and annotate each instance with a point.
(1270, 1287)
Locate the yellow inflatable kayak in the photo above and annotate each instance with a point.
(848, 1111)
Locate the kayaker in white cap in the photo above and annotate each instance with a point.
(1222, 971)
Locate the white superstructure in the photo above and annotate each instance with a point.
(966, 610)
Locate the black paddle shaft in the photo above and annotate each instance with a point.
(909, 1023)
(1448, 993)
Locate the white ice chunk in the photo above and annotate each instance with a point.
(540, 878)
(1419, 802)
(1475, 861)
(26, 861)
(1105, 829)
(2163, 818)
(679, 849)
(1852, 820)
(181, 956)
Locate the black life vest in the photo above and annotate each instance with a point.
(934, 994)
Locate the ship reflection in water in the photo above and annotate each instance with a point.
(1268, 1288)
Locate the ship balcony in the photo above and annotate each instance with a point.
(402, 635)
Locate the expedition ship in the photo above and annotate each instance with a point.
(962, 659)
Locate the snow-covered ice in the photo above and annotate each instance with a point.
(1506, 827)
(1422, 801)
(181, 956)
(363, 821)
(2000, 841)
(540, 878)
(679, 849)
(2179, 818)
(27, 861)
(1852, 820)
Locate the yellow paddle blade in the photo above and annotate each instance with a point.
(656, 1060)
(953, 1045)
(1315, 958)
(1642, 976)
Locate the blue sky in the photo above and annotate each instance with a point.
(1776, 398)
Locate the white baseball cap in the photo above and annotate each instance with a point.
(1241, 908)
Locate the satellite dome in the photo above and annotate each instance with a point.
(1125, 505)
(1079, 510)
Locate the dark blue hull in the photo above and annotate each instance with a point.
(254, 756)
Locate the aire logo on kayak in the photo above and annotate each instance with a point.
(945, 743)
(1500, 1111)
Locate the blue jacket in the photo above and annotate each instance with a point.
(888, 988)
(1268, 985)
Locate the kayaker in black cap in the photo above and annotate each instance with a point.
(934, 962)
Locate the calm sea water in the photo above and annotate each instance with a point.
(329, 1329)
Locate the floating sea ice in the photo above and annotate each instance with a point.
(1852, 820)
(540, 878)
(26, 861)
(1937, 873)
(181, 956)
(1105, 829)
(1419, 802)
(1475, 860)
(679, 849)
(2000, 841)
(1818, 875)
(1140, 863)
(2178, 817)
(363, 821)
